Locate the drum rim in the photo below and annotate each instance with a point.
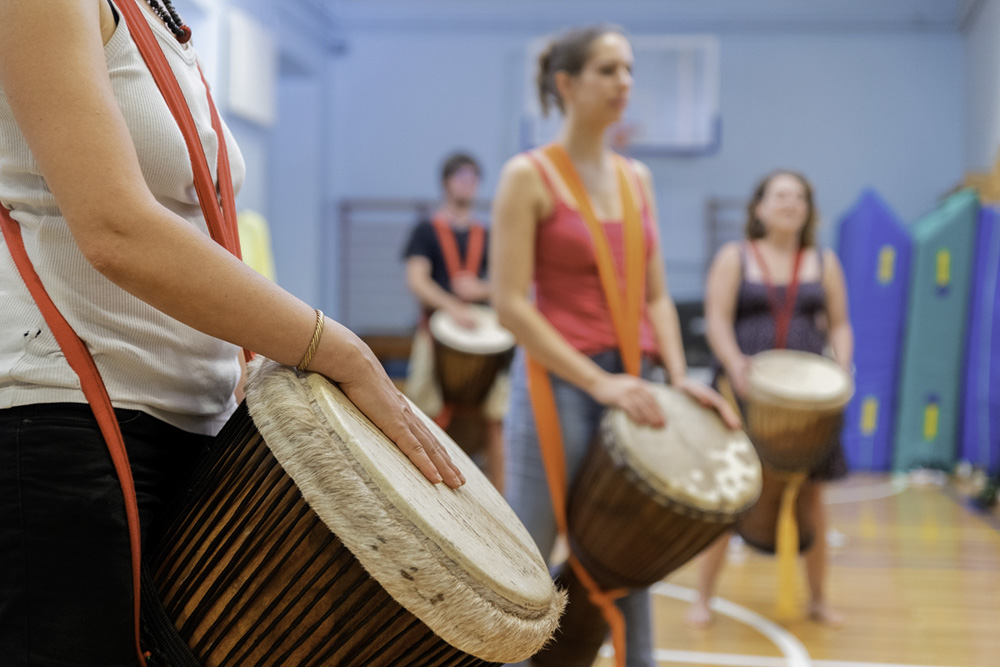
(434, 324)
(490, 627)
(638, 473)
(758, 393)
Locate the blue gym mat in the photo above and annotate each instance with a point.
(981, 402)
(875, 248)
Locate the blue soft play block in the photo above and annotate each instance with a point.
(981, 402)
(874, 247)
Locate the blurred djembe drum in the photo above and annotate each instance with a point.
(468, 360)
(795, 406)
(794, 411)
(644, 503)
(308, 538)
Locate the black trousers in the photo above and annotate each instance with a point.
(65, 575)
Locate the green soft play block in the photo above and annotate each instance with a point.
(931, 371)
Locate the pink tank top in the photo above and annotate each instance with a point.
(568, 289)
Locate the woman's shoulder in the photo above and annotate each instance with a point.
(730, 254)
(523, 176)
(641, 168)
(523, 165)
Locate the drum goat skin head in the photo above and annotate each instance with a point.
(459, 560)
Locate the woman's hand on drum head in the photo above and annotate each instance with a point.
(362, 378)
(468, 287)
(710, 398)
(462, 315)
(631, 394)
(392, 414)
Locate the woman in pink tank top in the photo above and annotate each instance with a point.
(541, 243)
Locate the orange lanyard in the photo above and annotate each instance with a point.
(449, 248)
(781, 311)
(219, 209)
(626, 313)
(625, 316)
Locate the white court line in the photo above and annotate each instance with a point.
(737, 660)
(794, 652)
(856, 494)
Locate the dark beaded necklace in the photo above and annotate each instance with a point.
(165, 10)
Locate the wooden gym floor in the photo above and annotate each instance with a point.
(915, 572)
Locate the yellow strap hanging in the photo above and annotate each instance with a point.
(787, 548)
(787, 532)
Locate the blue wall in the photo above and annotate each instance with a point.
(883, 106)
(286, 161)
(982, 87)
(850, 110)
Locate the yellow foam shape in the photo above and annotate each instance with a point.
(869, 415)
(886, 264)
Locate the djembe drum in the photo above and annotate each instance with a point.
(645, 502)
(308, 538)
(467, 361)
(795, 406)
(794, 411)
(648, 500)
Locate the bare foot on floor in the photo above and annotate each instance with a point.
(699, 615)
(820, 612)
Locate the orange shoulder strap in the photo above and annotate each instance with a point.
(626, 311)
(449, 248)
(543, 404)
(219, 209)
(625, 303)
(83, 365)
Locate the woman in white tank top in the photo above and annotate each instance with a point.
(96, 174)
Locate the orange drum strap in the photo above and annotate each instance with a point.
(83, 365)
(626, 320)
(218, 206)
(449, 248)
(455, 267)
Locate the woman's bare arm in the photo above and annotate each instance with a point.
(54, 74)
(721, 292)
(518, 205)
(666, 324)
(841, 332)
(659, 304)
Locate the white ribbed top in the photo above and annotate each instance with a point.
(148, 360)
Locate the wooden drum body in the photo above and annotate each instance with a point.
(467, 361)
(759, 526)
(307, 538)
(795, 407)
(648, 500)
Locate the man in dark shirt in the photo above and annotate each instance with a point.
(446, 270)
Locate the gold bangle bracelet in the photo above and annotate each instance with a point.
(314, 343)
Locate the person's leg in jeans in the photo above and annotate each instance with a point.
(528, 492)
(65, 572)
